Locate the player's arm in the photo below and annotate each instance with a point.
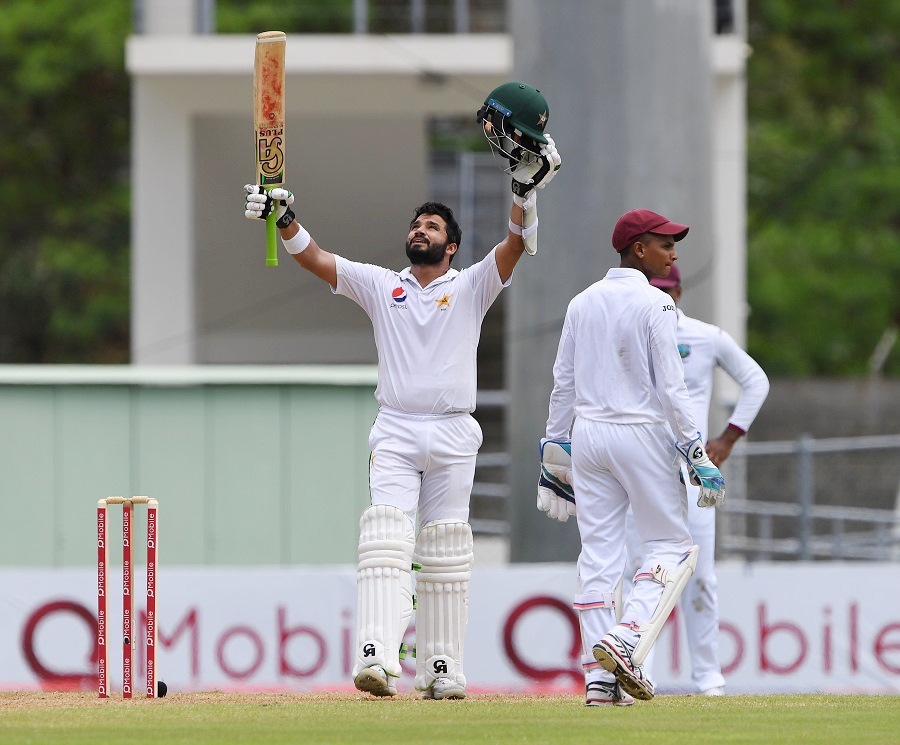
(532, 173)
(511, 248)
(669, 370)
(676, 403)
(562, 397)
(754, 384)
(556, 492)
(259, 204)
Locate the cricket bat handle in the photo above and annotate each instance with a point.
(271, 238)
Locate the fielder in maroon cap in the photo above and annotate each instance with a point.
(618, 402)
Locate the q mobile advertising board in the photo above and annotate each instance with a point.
(828, 627)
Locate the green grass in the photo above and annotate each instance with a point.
(273, 719)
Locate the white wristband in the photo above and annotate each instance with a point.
(524, 232)
(526, 203)
(299, 243)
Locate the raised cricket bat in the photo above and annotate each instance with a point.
(268, 121)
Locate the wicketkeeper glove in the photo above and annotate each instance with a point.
(534, 171)
(259, 204)
(555, 494)
(703, 473)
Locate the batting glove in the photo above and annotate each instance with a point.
(555, 494)
(535, 171)
(703, 473)
(259, 204)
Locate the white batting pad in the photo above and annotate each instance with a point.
(384, 587)
(444, 549)
(673, 582)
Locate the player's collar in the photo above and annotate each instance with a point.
(622, 272)
(407, 276)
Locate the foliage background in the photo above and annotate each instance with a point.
(824, 174)
(824, 184)
(64, 193)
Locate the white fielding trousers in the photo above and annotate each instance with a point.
(699, 603)
(614, 466)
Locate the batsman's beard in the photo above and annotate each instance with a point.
(427, 254)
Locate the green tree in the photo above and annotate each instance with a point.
(64, 198)
(824, 183)
(309, 16)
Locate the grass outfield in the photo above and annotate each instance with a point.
(273, 719)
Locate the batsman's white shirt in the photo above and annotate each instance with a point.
(427, 338)
(424, 441)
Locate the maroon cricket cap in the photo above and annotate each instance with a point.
(667, 283)
(637, 222)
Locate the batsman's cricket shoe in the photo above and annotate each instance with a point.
(444, 688)
(614, 655)
(375, 680)
(601, 693)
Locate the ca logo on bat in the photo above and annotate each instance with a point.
(270, 144)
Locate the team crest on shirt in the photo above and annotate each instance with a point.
(443, 302)
(684, 350)
(398, 297)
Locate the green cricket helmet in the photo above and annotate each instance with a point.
(513, 118)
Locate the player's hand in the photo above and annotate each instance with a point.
(555, 494)
(535, 170)
(259, 204)
(719, 449)
(703, 473)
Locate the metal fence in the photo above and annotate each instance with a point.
(832, 498)
(422, 16)
(491, 491)
(373, 16)
(803, 499)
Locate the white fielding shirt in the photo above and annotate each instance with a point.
(702, 347)
(427, 338)
(618, 359)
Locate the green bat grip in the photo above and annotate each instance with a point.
(271, 238)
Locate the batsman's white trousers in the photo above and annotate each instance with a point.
(424, 464)
(614, 465)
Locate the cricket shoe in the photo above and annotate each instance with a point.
(716, 691)
(375, 680)
(614, 655)
(600, 693)
(444, 688)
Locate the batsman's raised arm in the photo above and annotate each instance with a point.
(259, 204)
